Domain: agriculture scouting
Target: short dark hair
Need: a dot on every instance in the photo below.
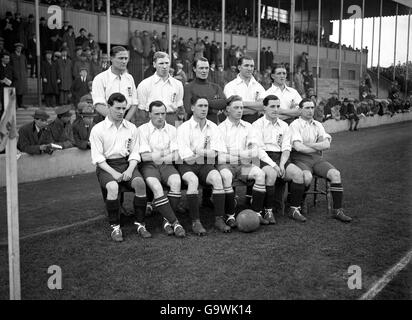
(195, 98)
(199, 59)
(304, 100)
(277, 66)
(233, 99)
(240, 60)
(268, 98)
(115, 50)
(116, 97)
(156, 103)
(160, 54)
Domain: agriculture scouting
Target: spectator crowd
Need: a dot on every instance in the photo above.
(70, 62)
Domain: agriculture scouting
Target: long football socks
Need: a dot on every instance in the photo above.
(139, 206)
(193, 204)
(163, 205)
(229, 201)
(258, 197)
(337, 194)
(219, 202)
(112, 207)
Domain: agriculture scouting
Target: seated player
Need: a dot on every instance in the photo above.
(158, 150)
(309, 139)
(114, 148)
(274, 136)
(242, 160)
(198, 142)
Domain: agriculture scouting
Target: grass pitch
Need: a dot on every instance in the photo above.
(289, 260)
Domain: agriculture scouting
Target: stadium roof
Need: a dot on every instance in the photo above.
(332, 7)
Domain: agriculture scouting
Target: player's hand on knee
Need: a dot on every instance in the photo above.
(117, 176)
(127, 175)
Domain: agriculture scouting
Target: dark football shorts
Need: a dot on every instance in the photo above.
(160, 171)
(311, 162)
(275, 156)
(239, 171)
(120, 165)
(200, 170)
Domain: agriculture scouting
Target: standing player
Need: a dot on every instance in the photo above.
(158, 150)
(289, 97)
(199, 142)
(246, 86)
(200, 87)
(309, 139)
(242, 160)
(274, 136)
(288, 110)
(115, 152)
(115, 79)
(161, 86)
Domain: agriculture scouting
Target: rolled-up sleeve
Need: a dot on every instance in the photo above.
(183, 142)
(144, 145)
(142, 95)
(323, 133)
(286, 141)
(135, 154)
(96, 147)
(294, 133)
(180, 93)
(98, 92)
(217, 143)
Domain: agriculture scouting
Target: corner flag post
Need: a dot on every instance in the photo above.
(12, 197)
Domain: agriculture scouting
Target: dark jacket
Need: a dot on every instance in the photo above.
(81, 134)
(29, 141)
(61, 133)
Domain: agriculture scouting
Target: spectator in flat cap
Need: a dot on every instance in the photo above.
(6, 76)
(81, 38)
(50, 80)
(64, 70)
(81, 63)
(104, 62)
(64, 29)
(95, 66)
(7, 31)
(19, 65)
(61, 131)
(70, 39)
(44, 36)
(91, 43)
(77, 54)
(34, 137)
(83, 125)
(80, 85)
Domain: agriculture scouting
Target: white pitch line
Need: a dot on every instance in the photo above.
(76, 224)
(388, 277)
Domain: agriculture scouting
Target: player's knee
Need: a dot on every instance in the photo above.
(334, 175)
(112, 190)
(215, 179)
(191, 180)
(174, 182)
(260, 176)
(138, 185)
(227, 177)
(270, 175)
(296, 175)
(155, 186)
(307, 178)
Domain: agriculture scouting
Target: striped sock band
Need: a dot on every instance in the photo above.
(174, 194)
(259, 187)
(229, 190)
